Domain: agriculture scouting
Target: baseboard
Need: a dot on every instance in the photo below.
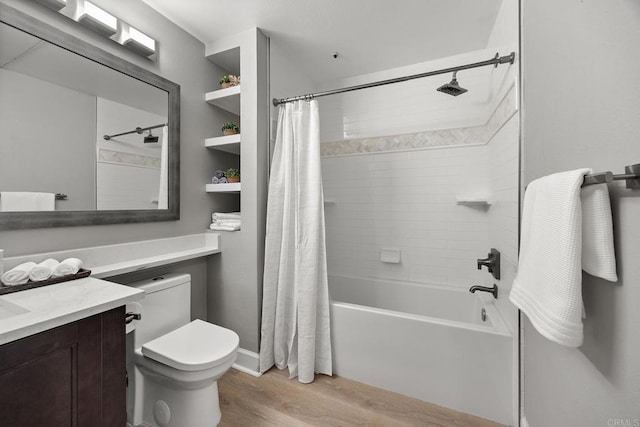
(248, 362)
(524, 422)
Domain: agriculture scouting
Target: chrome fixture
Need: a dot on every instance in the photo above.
(150, 138)
(139, 131)
(631, 176)
(492, 262)
(495, 61)
(492, 290)
(452, 88)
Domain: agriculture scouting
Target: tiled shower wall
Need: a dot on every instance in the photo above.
(389, 194)
(407, 201)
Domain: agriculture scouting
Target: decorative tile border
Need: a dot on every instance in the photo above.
(129, 159)
(439, 138)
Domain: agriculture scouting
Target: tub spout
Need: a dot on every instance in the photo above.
(493, 290)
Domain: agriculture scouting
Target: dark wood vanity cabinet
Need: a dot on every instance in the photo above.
(72, 375)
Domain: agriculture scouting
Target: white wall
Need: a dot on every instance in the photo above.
(413, 106)
(407, 200)
(581, 109)
(47, 140)
(128, 170)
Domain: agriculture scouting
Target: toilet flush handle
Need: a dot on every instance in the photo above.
(130, 317)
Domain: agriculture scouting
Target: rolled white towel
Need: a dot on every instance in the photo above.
(67, 267)
(18, 275)
(44, 270)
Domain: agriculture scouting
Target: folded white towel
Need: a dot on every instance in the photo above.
(548, 286)
(67, 267)
(25, 201)
(18, 275)
(230, 227)
(228, 222)
(225, 215)
(44, 270)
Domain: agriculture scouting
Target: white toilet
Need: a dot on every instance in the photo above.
(173, 364)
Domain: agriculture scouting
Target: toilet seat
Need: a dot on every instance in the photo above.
(196, 346)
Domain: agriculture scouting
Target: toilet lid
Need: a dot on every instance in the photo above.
(196, 346)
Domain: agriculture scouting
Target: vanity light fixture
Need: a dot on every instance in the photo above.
(53, 4)
(140, 42)
(101, 21)
(97, 19)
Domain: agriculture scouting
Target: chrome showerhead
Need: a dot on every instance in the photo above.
(150, 138)
(452, 88)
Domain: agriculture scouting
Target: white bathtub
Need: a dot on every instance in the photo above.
(423, 341)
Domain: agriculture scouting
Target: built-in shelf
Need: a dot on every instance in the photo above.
(224, 188)
(228, 99)
(228, 144)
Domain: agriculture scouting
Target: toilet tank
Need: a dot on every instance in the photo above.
(166, 306)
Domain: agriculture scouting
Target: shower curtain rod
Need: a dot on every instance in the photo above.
(136, 130)
(495, 61)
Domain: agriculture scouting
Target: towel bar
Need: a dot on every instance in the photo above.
(631, 175)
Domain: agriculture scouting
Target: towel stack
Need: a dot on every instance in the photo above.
(221, 221)
(30, 271)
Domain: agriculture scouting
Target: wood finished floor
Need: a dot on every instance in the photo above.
(274, 400)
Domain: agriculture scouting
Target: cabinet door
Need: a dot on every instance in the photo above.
(73, 375)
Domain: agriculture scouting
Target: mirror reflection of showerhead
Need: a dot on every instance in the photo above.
(452, 88)
(150, 138)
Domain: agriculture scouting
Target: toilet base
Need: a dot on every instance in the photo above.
(165, 406)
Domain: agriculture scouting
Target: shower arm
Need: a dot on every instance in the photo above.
(495, 61)
(137, 130)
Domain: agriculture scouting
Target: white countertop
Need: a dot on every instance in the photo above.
(29, 312)
(112, 260)
(138, 264)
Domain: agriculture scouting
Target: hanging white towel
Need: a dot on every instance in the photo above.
(19, 275)
(295, 307)
(43, 271)
(25, 201)
(598, 255)
(548, 286)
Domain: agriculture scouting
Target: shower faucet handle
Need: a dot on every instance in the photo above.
(492, 262)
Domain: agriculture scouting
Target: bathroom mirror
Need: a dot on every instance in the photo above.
(59, 97)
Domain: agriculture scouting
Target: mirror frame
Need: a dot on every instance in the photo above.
(28, 220)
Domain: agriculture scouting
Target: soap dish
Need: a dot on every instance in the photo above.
(82, 273)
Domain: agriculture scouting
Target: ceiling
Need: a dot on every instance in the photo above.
(370, 35)
(25, 54)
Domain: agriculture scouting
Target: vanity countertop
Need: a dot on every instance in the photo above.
(36, 310)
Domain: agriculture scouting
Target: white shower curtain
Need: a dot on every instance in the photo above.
(295, 307)
(163, 192)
